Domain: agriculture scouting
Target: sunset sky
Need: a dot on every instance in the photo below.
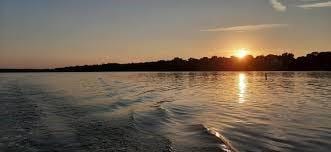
(55, 33)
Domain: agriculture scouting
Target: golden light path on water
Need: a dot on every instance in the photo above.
(242, 84)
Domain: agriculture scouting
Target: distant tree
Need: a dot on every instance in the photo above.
(285, 61)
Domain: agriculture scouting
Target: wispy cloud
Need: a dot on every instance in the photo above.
(316, 5)
(308, 0)
(246, 28)
(277, 5)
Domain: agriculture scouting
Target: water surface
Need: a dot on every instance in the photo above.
(170, 111)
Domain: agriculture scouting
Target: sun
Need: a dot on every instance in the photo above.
(241, 53)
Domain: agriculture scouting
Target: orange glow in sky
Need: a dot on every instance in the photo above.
(35, 34)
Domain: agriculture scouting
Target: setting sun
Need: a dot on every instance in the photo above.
(241, 53)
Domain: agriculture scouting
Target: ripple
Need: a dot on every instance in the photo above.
(166, 111)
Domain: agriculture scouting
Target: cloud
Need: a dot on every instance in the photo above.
(316, 5)
(308, 0)
(245, 28)
(277, 5)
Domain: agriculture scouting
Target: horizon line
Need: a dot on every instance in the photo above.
(186, 59)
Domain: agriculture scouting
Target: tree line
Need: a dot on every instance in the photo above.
(315, 61)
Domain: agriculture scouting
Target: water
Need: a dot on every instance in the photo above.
(172, 111)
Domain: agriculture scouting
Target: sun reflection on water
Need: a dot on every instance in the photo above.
(242, 84)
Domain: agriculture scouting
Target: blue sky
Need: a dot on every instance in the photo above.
(52, 33)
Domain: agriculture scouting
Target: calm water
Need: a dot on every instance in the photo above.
(188, 111)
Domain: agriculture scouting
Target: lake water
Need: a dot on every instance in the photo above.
(170, 111)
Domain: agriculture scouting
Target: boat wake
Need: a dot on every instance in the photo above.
(225, 143)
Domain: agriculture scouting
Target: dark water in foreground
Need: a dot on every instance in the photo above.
(189, 111)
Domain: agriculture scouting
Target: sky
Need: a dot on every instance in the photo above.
(57, 33)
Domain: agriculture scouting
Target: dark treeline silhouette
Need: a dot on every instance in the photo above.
(315, 61)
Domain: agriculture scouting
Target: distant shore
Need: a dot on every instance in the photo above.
(315, 61)
(50, 71)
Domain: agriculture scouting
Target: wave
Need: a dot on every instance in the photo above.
(225, 143)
